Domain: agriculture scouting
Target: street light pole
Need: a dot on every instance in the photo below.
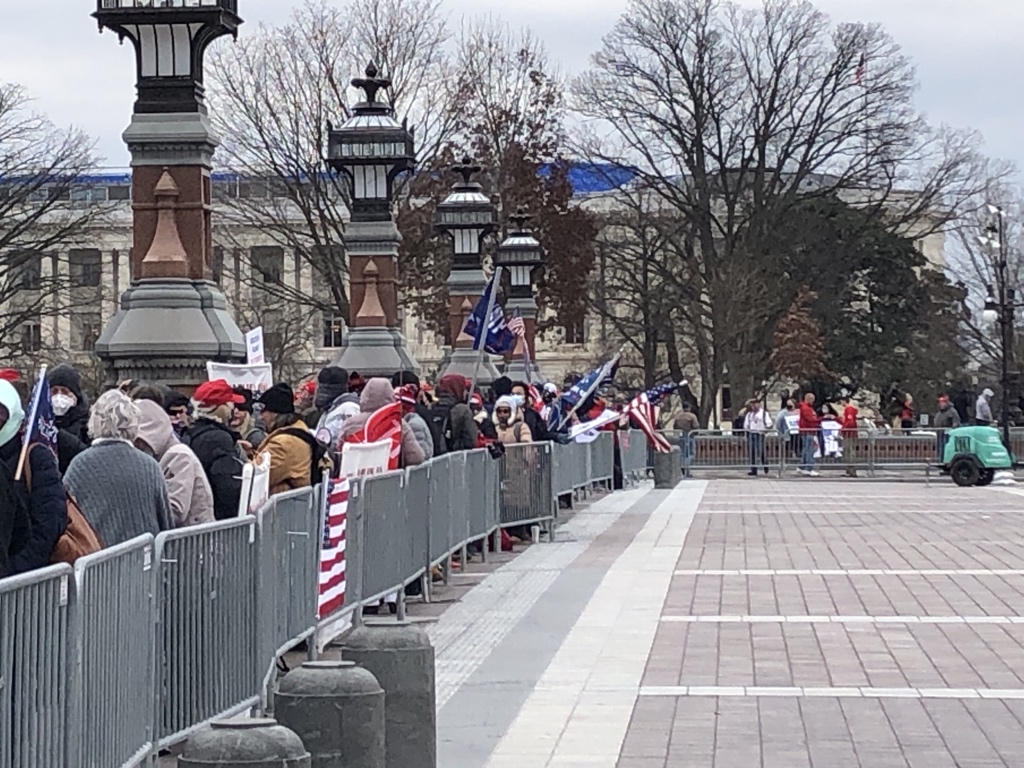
(1006, 305)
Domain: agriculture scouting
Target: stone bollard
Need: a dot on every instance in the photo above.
(244, 743)
(337, 709)
(400, 656)
(668, 471)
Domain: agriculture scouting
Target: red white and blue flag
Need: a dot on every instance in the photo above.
(331, 594)
(642, 409)
(384, 424)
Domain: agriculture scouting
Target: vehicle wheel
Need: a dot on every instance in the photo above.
(964, 472)
(986, 476)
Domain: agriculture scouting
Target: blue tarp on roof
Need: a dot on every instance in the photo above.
(590, 178)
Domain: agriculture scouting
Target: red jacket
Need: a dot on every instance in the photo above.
(809, 421)
(850, 414)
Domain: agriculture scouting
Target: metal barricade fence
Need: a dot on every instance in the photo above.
(114, 683)
(36, 615)
(206, 636)
(476, 493)
(383, 525)
(289, 537)
(561, 469)
(633, 450)
(417, 494)
(458, 501)
(602, 458)
(438, 509)
(526, 492)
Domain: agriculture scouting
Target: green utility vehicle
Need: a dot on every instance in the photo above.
(973, 455)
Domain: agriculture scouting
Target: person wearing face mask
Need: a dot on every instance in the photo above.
(31, 521)
(71, 413)
(211, 439)
(549, 395)
(532, 419)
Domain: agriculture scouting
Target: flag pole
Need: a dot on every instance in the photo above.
(33, 411)
(485, 327)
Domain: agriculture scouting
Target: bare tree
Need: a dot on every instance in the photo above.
(734, 117)
(40, 167)
(274, 95)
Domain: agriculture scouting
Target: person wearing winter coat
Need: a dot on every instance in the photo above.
(408, 395)
(31, 520)
(214, 443)
(484, 423)
(452, 417)
(521, 394)
(403, 378)
(120, 490)
(509, 424)
(331, 383)
(244, 424)
(810, 427)
(376, 394)
(188, 491)
(338, 410)
(983, 408)
(946, 419)
(289, 442)
(71, 413)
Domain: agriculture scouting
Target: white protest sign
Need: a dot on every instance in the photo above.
(255, 485)
(362, 459)
(257, 378)
(587, 432)
(254, 347)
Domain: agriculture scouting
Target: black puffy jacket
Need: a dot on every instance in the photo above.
(46, 504)
(214, 445)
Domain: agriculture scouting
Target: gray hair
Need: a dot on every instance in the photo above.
(114, 416)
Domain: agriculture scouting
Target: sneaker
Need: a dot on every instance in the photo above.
(803, 472)
(812, 473)
(752, 473)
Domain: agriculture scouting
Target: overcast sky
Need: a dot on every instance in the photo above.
(968, 54)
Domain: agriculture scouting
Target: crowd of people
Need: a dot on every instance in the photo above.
(811, 433)
(145, 458)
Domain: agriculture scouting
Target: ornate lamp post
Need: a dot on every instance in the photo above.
(1001, 307)
(520, 254)
(468, 216)
(173, 318)
(370, 150)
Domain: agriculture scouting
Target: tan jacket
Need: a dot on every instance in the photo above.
(290, 457)
(508, 435)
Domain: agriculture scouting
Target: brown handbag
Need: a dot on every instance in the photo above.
(79, 539)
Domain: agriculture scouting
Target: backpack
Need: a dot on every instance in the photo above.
(319, 461)
(79, 538)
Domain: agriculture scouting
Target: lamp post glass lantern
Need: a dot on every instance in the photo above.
(467, 215)
(170, 38)
(521, 256)
(371, 149)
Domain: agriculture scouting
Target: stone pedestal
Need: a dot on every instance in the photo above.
(172, 319)
(374, 345)
(401, 657)
(668, 472)
(337, 709)
(244, 743)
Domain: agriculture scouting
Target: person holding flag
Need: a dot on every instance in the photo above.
(36, 510)
(489, 328)
(379, 418)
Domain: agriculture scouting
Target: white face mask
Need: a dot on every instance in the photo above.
(63, 403)
(520, 400)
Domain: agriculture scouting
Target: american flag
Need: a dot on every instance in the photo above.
(331, 595)
(384, 424)
(643, 410)
(517, 326)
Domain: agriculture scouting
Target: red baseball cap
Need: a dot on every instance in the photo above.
(407, 394)
(9, 374)
(215, 393)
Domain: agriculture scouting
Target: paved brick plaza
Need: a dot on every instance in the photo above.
(759, 623)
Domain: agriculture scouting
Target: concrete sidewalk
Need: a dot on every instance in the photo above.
(737, 623)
